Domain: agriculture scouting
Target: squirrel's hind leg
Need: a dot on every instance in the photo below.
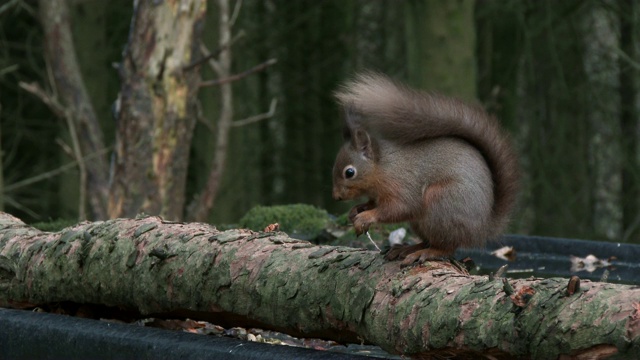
(419, 253)
(399, 252)
(423, 255)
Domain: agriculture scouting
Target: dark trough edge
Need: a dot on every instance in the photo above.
(555, 255)
(30, 335)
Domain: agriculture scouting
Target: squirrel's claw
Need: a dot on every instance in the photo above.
(362, 221)
(360, 228)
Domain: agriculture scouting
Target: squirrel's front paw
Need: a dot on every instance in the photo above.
(362, 221)
(357, 210)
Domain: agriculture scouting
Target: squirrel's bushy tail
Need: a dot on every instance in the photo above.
(397, 113)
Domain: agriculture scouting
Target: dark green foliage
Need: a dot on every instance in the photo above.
(301, 221)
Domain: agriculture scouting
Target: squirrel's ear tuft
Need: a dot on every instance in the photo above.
(362, 143)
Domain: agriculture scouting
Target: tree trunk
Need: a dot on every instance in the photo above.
(629, 119)
(441, 46)
(157, 109)
(272, 281)
(603, 74)
(202, 204)
(68, 83)
(1, 167)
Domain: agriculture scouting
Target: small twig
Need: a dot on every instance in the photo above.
(21, 207)
(47, 99)
(52, 173)
(373, 242)
(203, 120)
(259, 117)
(8, 5)
(628, 59)
(236, 11)
(26, 7)
(213, 63)
(1, 166)
(239, 76)
(9, 69)
(207, 55)
(52, 81)
(202, 60)
(66, 148)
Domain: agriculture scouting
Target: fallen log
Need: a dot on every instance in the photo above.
(268, 280)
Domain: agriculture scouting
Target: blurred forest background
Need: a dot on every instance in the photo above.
(562, 76)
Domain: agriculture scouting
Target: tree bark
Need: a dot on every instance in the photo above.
(272, 281)
(157, 109)
(202, 204)
(441, 46)
(628, 78)
(603, 74)
(85, 127)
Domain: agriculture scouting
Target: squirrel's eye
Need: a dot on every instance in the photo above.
(349, 172)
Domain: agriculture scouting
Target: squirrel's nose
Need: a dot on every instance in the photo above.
(336, 195)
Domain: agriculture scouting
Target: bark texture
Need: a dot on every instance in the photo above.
(273, 281)
(157, 109)
(440, 47)
(67, 80)
(203, 203)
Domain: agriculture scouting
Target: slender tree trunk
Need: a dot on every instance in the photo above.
(629, 119)
(84, 126)
(157, 109)
(557, 136)
(1, 165)
(272, 281)
(203, 203)
(441, 46)
(602, 70)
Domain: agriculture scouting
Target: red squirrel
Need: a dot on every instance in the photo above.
(441, 164)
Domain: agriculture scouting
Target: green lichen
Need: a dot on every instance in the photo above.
(54, 225)
(299, 220)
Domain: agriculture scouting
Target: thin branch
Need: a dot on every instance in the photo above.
(203, 120)
(626, 236)
(628, 59)
(65, 114)
(236, 11)
(8, 5)
(9, 69)
(51, 78)
(203, 59)
(211, 55)
(66, 148)
(237, 77)
(22, 208)
(47, 99)
(259, 117)
(1, 166)
(201, 205)
(213, 63)
(77, 152)
(28, 8)
(52, 173)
